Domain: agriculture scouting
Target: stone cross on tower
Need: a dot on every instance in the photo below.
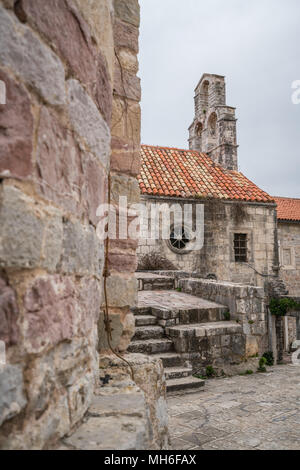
(214, 128)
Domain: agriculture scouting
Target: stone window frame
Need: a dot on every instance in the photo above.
(178, 251)
(250, 251)
(293, 266)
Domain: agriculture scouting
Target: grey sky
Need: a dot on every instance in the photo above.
(256, 45)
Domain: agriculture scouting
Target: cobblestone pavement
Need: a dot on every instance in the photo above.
(259, 412)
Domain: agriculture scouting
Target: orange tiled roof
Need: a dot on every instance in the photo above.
(288, 208)
(187, 173)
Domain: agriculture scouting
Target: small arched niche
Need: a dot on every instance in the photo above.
(204, 92)
(212, 127)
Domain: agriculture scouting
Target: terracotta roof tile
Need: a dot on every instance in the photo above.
(288, 208)
(187, 173)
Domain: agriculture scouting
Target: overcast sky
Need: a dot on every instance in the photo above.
(256, 45)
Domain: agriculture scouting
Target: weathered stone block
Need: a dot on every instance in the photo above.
(122, 263)
(126, 83)
(80, 397)
(28, 56)
(125, 186)
(126, 122)
(51, 313)
(116, 328)
(94, 186)
(122, 292)
(83, 252)
(126, 36)
(16, 124)
(12, 398)
(128, 11)
(58, 162)
(9, 313)
(31, 233)
(58, 20)
(58, 309)
(88, 122)
(98, 15)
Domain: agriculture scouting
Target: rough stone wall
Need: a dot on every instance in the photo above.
(71, 119)
(246, 304)
(289, 249)
(125, 415)
(221, 221)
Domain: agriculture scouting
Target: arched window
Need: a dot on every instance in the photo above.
(198, 129)
(212, 125)
(204, 95)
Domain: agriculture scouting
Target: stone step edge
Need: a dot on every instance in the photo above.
(188, 371)
(184, 383)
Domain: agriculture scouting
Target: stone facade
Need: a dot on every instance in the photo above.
(221, 221)
(70, 129)
(289, 250)
(213, 130)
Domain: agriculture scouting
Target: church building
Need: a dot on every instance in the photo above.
(240, 221)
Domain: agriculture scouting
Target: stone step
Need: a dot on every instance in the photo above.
(204, 329)
(145, 320)
(186, 383)
(150, 281)
(178, 372)
(173, 306)
(148, 332)
(169, 359)
(141, 310)
(151, 346)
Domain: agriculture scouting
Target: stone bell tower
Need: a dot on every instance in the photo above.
(214, 128)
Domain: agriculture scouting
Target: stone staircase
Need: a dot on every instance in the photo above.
(182, 330)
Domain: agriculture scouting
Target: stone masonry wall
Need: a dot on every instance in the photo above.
(246, 304)
(221, 221)
(71, 121)
(289, 239)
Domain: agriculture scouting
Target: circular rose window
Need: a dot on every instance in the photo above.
(179, 239)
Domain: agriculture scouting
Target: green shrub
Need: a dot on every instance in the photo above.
(227, 316)
(262, 365)
(210, 372)
(280, 307)
(269, 358)
(247, 372)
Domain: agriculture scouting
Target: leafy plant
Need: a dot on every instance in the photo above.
(179, 289)
(227, 316)
(280, 307)
(210, 372)
(247, 372)
(262, 365)
(251, 322)
(269, 358)
(199, 376)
